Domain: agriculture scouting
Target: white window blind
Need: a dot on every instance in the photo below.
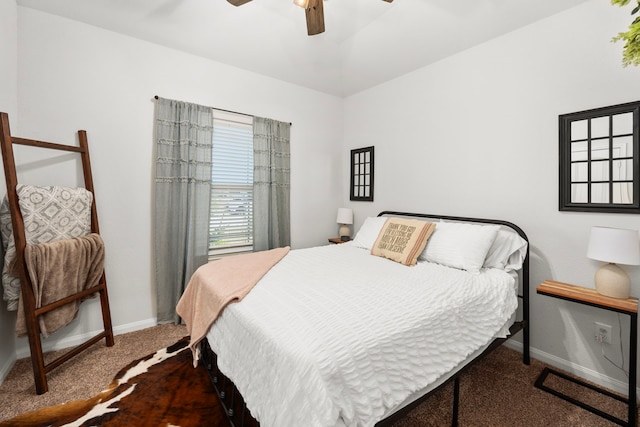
(231, 218)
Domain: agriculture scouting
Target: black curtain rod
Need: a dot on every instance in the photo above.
(229, 111)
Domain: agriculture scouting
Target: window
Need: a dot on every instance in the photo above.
(231, 218)
(599, 160)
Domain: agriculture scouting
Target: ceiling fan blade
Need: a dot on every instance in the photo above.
(315, 17)
(241, 2)
(389, 1)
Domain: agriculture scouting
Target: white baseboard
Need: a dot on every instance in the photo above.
(22, 347)
(575, 369)
(4, 370)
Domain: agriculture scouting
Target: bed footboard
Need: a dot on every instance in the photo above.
(228, 395)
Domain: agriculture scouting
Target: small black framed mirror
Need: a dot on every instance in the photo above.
(599, 159)
(361, 186)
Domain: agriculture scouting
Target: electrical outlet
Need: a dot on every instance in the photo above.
(602, 332)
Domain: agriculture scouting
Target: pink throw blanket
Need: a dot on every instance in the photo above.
(216, 284)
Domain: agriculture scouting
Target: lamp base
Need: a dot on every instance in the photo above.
(613, 281)
(344, 233)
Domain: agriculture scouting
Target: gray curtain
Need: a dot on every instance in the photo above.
(271, 186)
(183, 134)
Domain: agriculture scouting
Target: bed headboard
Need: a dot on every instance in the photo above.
(524, 272)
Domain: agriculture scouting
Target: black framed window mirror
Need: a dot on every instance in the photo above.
(599, 159)
(362, 163)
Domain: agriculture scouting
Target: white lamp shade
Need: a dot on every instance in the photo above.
(614, 245)
(345, 216)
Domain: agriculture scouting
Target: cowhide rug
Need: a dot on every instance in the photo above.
(162, 389)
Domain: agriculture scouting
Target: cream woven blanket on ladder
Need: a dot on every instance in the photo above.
(49, 214)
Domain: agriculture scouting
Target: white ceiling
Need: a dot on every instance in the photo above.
(366, 42)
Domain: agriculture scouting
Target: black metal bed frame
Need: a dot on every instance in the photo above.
(236, 409)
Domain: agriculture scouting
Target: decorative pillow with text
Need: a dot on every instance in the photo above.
(402, 240)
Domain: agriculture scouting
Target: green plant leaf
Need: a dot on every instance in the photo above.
(631, 38)
(620, 2)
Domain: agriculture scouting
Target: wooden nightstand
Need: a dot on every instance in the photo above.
(591, 297)
(337, 240)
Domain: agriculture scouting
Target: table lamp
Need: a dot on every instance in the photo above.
(613, 246)
(344, 218)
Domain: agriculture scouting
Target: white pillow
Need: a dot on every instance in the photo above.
(368, 233)
(460, 245)
(507, 252)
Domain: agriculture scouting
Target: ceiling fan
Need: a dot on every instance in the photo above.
(313, 10)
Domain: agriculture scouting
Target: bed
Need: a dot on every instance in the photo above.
(335, 336)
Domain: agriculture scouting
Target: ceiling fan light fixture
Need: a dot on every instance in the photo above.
(313, 10)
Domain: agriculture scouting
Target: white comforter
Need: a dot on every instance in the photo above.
(334, 335)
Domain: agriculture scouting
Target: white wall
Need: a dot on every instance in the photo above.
(476, 135)
(89, 78)
(9, 105)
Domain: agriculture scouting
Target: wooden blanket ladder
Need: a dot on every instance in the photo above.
(40, 369)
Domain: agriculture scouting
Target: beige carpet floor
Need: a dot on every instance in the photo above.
(497, 391)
